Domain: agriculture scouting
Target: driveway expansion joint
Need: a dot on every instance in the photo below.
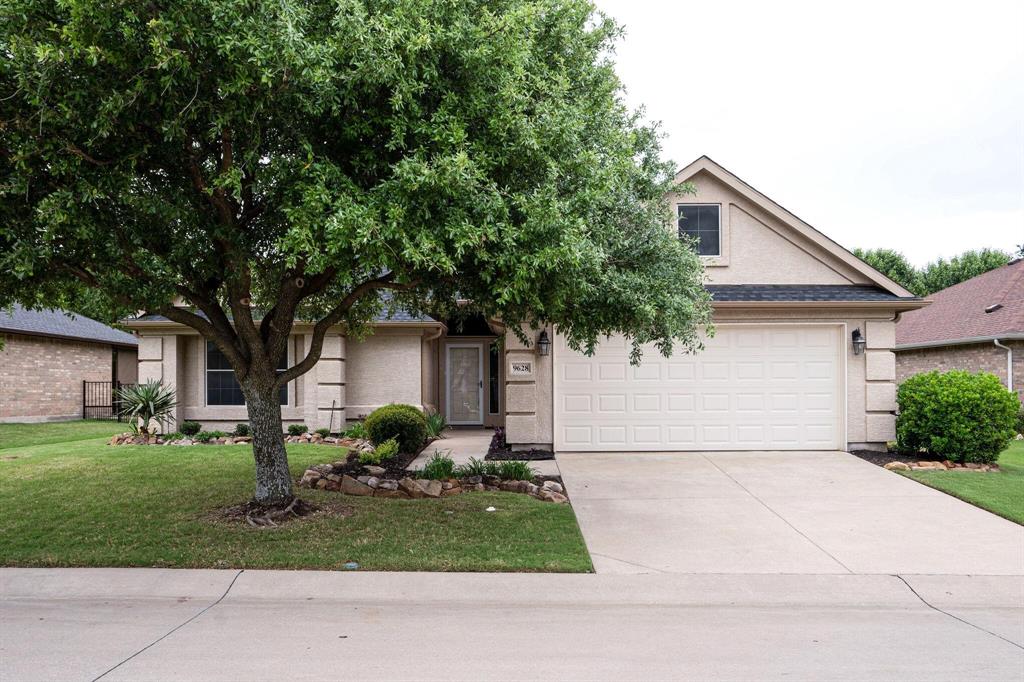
(172, 630)
(954, 617)
(777, 514)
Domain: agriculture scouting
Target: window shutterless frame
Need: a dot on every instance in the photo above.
(221, 387)
(703, 222)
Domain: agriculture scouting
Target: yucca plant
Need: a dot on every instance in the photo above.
(145, 403)
(436, 424)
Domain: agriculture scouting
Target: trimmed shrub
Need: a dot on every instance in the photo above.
(323, 433)
(404, 423)
(1020, 422)
(204, 436)
(241, 429)
(191, 428)
(297, 429)
(956, 415)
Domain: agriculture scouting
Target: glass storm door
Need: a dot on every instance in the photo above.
(465, 383)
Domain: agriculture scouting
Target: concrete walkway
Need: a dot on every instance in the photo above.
(463, 444)
(778, 512)
(155, 624)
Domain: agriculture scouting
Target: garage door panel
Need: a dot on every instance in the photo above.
(754, 387)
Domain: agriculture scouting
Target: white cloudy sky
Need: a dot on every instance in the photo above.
(896, 123)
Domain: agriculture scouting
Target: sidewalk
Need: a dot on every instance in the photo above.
(156, 624)
(463, 444)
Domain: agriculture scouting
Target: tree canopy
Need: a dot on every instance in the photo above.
(937, 275)
(323, 160)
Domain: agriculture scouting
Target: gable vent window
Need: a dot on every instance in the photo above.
(703, 223)
(221, 385)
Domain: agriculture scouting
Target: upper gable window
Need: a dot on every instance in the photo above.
(703, 223)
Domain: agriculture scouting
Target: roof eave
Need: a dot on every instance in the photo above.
(897, 306)
(965, 341)
(67, 337)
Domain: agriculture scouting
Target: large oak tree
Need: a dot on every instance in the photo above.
(321, 160)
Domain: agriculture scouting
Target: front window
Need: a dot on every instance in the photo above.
(702, 222)
(221, 386)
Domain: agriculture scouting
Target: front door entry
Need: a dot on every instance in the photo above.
(465, 383)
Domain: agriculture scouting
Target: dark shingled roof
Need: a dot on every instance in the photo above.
(397, 316)
(62, 324)
(790, 293)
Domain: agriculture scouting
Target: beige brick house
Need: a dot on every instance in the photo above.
(977, 325)
(47, 355)
(802, 357)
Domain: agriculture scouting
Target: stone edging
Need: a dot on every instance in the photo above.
(372, 485)
(939, 466)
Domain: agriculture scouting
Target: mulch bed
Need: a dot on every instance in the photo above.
(394, 467)
(883, 458)
(499, 450)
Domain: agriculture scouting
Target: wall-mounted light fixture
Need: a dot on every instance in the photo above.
(543, 343)
(859, 342)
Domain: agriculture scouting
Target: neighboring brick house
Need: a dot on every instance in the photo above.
(977, 325)
(48, 354)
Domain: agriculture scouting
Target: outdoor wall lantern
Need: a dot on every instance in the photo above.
(859, 342)
(543, 343)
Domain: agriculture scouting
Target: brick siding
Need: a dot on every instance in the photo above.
(978, 357)
(41, 378)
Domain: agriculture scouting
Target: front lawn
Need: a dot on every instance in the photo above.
(84, 503)
(22, 435)
(999, 492)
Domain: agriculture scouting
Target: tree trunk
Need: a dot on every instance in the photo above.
(273, 480)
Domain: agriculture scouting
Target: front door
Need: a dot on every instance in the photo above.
(465, 383)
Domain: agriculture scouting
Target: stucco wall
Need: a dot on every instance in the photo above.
(977, 357)
(870, 377)
(756, 247)
(127, 365)
(41, 377)
(350, 380)
(384, 368)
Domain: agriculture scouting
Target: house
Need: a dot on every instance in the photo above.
(802, 356)
(977, 325)
(48, 354)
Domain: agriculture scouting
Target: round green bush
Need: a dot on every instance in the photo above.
(190, 428)
(956, 415)
(404, 423)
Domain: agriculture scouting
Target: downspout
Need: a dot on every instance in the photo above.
(1009, 364)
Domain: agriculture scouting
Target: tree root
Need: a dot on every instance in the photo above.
(261, 516)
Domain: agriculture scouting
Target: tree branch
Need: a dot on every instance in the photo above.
(332, 318)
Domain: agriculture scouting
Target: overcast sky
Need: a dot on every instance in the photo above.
(883, 124)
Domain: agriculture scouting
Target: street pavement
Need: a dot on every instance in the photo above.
(165, 624)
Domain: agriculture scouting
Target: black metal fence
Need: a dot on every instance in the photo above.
(100, 400)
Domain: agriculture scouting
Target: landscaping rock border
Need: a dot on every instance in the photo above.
(932, 465)
(372, 484)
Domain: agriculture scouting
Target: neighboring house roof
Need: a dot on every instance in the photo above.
(958, 314)
(63, 325)
(805, 293)
(744, 189)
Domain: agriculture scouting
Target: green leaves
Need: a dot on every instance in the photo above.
(217, 152)
(957, 415)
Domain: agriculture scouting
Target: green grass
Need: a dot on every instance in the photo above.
(999, 492)
(84, 503)
(22, 435)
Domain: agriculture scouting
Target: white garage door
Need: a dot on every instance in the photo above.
(754, 387)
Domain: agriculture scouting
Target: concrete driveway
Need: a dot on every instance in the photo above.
(778, 512)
